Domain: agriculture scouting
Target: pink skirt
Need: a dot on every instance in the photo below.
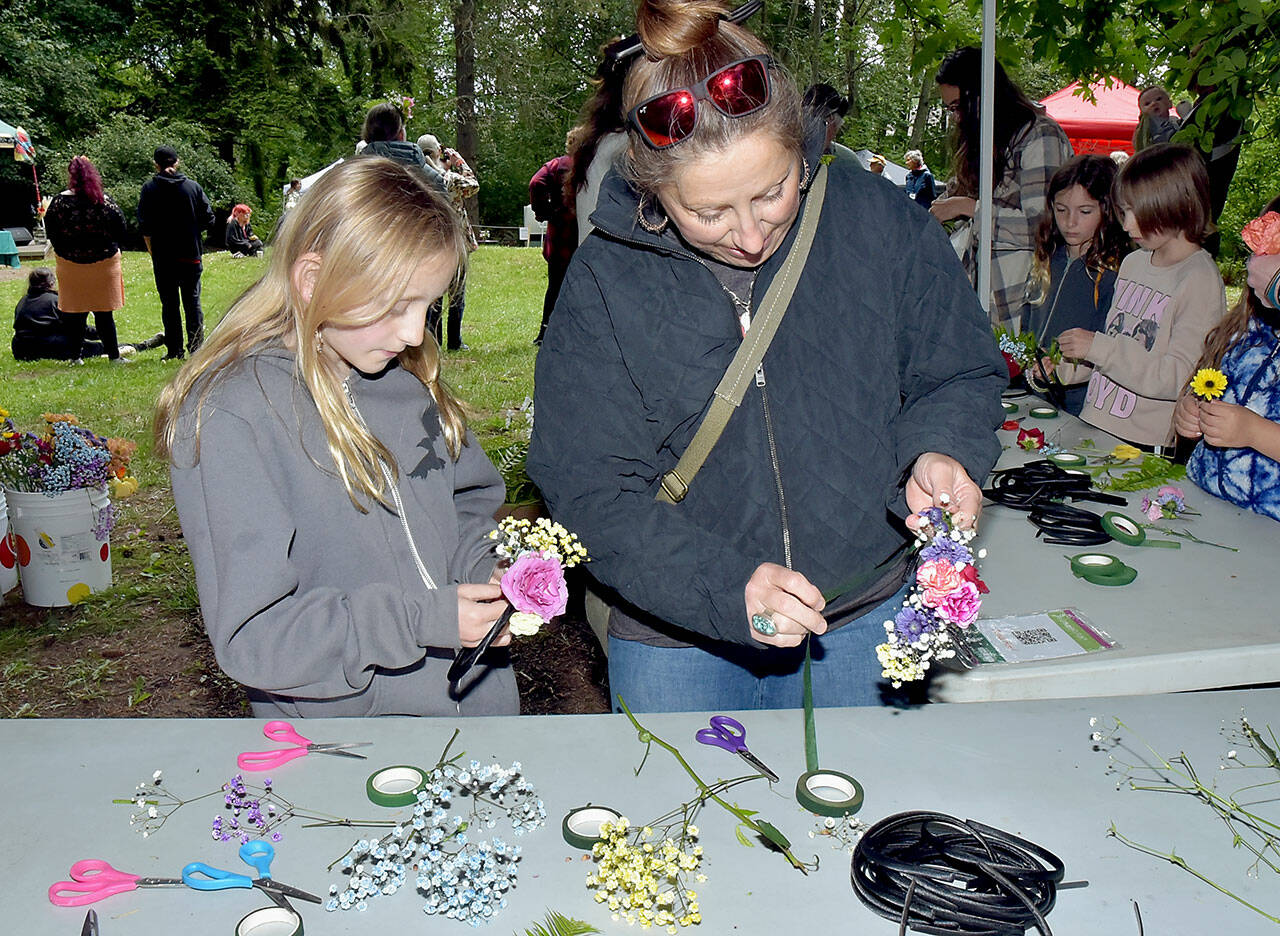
(91, 287)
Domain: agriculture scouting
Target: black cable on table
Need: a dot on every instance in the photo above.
(938, 874)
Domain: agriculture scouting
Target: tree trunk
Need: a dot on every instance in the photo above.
(464, 59)
(922, 110)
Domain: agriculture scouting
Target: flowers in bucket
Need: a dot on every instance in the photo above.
(945, 599)
(67, 457)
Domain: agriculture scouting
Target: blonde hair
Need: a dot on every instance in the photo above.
(372, 222)
(684, 42)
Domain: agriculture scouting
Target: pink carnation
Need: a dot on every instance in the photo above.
(937, 578)
(535, 584)
(1263, 234)
(960, 606)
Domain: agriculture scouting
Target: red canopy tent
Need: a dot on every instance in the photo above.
(1101, 126)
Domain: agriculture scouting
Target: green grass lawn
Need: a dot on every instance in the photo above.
(504, 306)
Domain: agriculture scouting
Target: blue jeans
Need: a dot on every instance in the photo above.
(728, 676)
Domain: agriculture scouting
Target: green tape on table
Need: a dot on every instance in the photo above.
(1043, 412)
(1009, 408)
(829, 793)
(1102, 569)
(395, 786)
(581, 826)
(1122, 529)
(270, 921)
(1067, 459)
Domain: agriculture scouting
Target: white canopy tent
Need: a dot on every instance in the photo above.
(308, 181)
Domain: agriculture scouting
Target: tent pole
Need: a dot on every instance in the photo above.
(986, 149)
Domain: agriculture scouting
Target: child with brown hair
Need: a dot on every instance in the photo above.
(1168, 295)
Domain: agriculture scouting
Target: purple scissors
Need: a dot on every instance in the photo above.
(283, 731)
(93, 880)
(728, 733)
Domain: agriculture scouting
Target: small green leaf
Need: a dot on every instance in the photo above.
(742, 837)
(773, 835)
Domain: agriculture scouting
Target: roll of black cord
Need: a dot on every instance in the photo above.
(1064, 525)
(934, 873)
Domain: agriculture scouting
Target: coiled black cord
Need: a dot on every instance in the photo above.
(935, 873)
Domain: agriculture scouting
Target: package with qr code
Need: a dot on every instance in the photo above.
(1040, 635)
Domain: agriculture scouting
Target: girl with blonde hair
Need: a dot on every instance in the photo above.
(336, 508)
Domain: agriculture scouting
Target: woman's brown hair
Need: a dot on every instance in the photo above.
(684, 42)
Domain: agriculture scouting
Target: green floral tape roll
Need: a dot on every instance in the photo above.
(270, 921)
(829, 793)
(1067, 459)
(1122, 529)
(396, 786)
(581, 826)
(1044, 412)
(1010, 408)
(1102, 569)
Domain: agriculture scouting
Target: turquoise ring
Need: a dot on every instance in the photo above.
(763, 624)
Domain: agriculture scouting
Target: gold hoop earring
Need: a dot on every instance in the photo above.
(319, 344)
(651, 226)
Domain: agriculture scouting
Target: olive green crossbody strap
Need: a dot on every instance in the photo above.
(733, 385)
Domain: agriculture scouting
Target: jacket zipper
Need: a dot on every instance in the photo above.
(773, 448)
(764, 399)
(395, 497)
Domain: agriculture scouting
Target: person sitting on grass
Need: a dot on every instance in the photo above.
(41, 333)
(241, 240)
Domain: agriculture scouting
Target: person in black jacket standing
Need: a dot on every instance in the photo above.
(173, 214)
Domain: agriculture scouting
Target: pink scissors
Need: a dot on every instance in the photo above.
(92, 880)
(283, 731)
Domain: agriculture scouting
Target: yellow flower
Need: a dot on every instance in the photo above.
(1208, 383)
(1126, 452)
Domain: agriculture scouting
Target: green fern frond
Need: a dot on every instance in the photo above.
(557, 924)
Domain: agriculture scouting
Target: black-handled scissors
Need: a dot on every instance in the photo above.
(728, 733)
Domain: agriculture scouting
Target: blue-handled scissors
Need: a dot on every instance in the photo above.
(728, 733)
(258, 855)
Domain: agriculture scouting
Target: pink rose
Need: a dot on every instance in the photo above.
(961, 606)
(937, 578)
(535, 585)
(1263, 234)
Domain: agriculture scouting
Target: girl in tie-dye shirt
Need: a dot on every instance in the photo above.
(1238, 457)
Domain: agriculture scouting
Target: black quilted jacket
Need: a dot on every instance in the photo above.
(884, 353)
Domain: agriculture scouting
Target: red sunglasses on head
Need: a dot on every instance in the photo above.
(738, 89)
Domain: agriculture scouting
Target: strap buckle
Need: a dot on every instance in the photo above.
(674, 486)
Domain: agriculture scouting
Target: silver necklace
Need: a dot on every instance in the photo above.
(738, 301)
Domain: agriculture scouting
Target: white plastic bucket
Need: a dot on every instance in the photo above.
(60, 561)
(8, 551)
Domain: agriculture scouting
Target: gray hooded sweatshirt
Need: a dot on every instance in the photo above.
(317, 608)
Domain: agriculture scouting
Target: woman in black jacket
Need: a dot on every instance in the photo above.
(877, 398)
(85, 227)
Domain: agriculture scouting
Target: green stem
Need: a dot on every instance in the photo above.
(706, 790)
(1174, 859)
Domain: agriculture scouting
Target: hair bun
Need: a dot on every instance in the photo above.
(674, 27)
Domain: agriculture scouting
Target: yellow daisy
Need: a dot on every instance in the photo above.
(1208, 383)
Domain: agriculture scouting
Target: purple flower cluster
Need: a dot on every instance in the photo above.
(248, 818)
(947, 550)
(80, 460)
(911, 622)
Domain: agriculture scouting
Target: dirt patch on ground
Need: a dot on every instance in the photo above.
(144, 653)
